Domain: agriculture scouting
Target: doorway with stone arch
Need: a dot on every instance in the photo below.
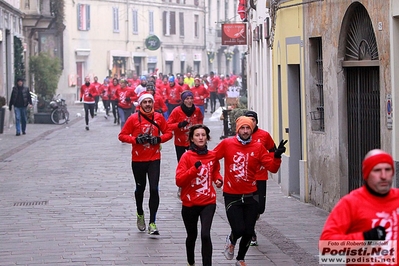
(362, 90)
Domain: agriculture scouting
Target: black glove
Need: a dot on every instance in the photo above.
(197, 164)
(128, 100)
(80, 99)
(155, 140)
(281, 149)
(90, 95)
(141, 139)
(376, 233)
(182, 124)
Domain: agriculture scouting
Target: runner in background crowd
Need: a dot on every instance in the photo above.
(113, 87)
(174, 91)
(97, 85)
(87, 94)
(105, 96)
(125, 97)
(180, 121)
(200, 94)
(213, 85)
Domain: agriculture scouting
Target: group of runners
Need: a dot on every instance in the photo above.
(151, 111)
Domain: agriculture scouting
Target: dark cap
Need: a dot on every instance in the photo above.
(252, 114)
(20, 79)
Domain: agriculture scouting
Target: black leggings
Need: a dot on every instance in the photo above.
(190, 218)
(140, 171)
(221, 99)
(114, 105)
(241, 213)
(180, 150)
(213, 96)
(106, 106)
(262, 186)
(88, 107)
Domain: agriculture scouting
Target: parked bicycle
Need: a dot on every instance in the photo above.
(59, 114)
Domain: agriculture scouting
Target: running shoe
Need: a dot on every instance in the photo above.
(140, 222)
(229, 249)
(241, 263)
(152, 229)
(254, 240)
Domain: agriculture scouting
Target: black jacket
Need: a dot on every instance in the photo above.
(24, 98)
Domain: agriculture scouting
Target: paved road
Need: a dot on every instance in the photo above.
(67, 198)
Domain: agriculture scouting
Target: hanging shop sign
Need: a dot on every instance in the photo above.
(234, 34)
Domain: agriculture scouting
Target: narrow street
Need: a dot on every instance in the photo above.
(67, 198)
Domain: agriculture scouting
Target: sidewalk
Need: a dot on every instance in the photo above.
(67, 198)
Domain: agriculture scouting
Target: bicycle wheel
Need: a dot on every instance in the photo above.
(58, 117)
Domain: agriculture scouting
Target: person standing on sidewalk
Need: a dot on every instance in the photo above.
(146, 130)
(180, 121)
(20, 98)
(262, 136)
(196, 173)
(242, 159)
(87, 94)
(370, 212)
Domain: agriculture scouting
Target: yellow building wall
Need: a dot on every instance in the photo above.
(289, 24)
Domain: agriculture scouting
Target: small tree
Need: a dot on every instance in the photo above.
(46, 72)
(19, 67)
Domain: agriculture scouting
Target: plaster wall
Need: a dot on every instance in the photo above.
(327, 151)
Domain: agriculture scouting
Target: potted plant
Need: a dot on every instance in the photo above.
(45, 71)
(2, 113)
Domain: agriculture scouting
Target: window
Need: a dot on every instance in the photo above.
(151, 22)
(83, 17)
(172, 23)
(115, 17)
(316, 71)
(196, 26)
(169, 22)
(181, 23)
(135, 26)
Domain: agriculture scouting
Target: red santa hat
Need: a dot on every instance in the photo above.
(145, 95)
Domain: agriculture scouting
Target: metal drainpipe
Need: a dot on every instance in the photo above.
(206, 58)
(127, 24)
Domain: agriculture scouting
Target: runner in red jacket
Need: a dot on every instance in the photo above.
(113, 87)
(196, 173)
(180, 121)
(263, 137)
(105, 94)
(174, 91)
(146, 130)
(370, 212)
(200, 94)
(214, 83)
(125, 97)
(242, 159)
(87, 94)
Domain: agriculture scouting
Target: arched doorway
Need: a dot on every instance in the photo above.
(361, 68)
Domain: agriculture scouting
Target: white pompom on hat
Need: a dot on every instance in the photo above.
(145, 96)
